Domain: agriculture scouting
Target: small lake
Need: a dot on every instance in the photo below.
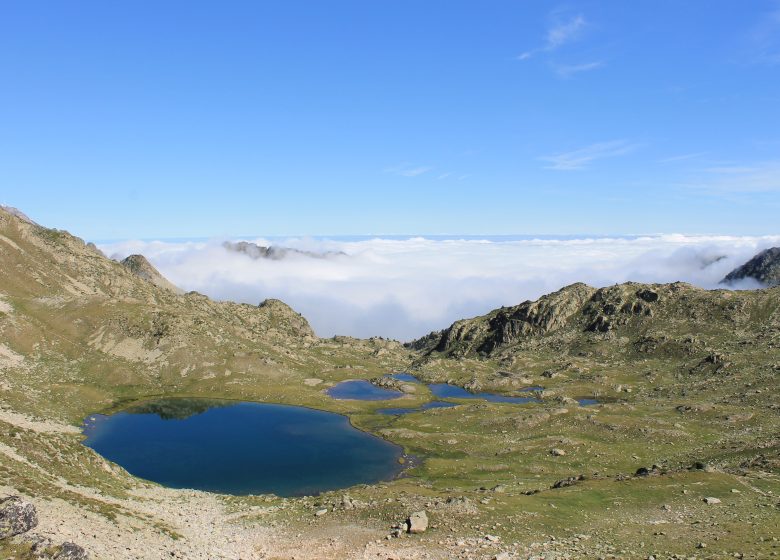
(361, 390)
(241, 447)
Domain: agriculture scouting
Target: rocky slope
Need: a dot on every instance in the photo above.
(764, 268)
(75, 319)
(673, 318)
(141, 267)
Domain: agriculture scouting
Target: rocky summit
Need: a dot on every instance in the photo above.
(763, 268)
(650, 431)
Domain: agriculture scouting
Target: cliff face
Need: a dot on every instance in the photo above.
(764, 268)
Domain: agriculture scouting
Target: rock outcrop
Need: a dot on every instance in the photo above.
(764, 268)
(141, 267)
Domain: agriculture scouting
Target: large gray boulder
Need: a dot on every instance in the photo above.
(71, 551)
(16, 516)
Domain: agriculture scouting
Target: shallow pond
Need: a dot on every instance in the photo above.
(361, 390)
(447, 391)
(241, 447)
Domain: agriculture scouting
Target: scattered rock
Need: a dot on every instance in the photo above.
(570, 481)
(556, 452)
(321, 512)
(418, 522)
(16, 516)
(711, 501)
(702, 466)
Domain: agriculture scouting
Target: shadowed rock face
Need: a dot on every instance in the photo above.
(764, 267)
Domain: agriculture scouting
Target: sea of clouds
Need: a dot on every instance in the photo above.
(405, 288)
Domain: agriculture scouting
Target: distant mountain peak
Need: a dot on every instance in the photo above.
(764, 267)
(255, 251)
(18, 213)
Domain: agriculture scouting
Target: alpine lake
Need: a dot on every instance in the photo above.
(243, 448)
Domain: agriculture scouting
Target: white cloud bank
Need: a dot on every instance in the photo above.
(406, 288)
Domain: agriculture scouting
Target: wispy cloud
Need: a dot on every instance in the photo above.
(558, 34)
(682, 157)
(764, 39)
(761, 177)
(581, 158)
(565, 32)
(568, 70)
(408, 170)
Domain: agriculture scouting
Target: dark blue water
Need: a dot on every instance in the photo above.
(358, 389)
(242, 448)
(447, 391)
(364, 390)
(426, 406)
(405, 377)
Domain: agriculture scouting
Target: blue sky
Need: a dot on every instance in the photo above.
(176, 119)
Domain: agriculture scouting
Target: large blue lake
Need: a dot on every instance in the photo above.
(242, 448)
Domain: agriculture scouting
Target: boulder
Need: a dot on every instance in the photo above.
(16, 517)
(418, 522)
(71, 551)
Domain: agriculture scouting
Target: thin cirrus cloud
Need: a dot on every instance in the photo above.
(682, 157)
(558, 35)
(764, 40)
(581, 158)
(763, 177)
(405, 288)
(569, 70)
(408, 170)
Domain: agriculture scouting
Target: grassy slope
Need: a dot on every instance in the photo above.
(701, 368)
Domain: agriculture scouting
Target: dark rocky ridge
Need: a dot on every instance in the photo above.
(255, 251)
(764, 267)
(575, 316)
